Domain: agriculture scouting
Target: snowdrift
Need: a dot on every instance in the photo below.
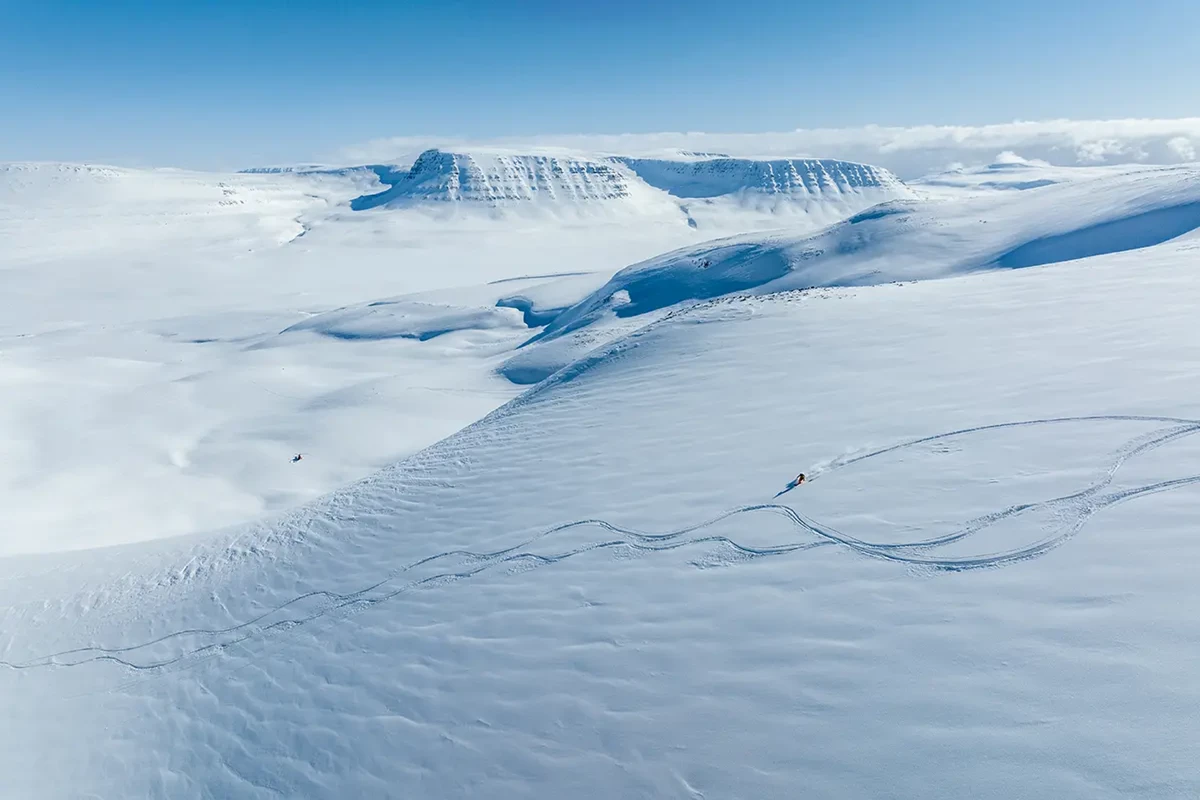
(511, 304)
(896, 241)
(403, 318)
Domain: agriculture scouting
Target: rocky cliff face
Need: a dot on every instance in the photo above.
(438, 176)
(809, 177)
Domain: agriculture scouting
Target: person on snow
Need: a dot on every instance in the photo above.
(799, 479)
(297, 457)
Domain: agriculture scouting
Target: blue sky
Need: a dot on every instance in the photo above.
(220, 84)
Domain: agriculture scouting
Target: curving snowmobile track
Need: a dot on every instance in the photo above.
(1073, 511)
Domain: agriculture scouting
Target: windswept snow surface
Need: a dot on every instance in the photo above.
(896, 241)
(984, 592)
(168, 340)
(602, 588)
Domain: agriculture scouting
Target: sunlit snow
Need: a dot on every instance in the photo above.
(540, 541)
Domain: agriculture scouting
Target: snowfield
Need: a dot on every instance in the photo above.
(541, 543)
(170, 339)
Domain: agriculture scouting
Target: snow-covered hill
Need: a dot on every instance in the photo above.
(57, 211)
(1009, 172)
(898, 241)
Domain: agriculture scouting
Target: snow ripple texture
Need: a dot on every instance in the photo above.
(1068, 515)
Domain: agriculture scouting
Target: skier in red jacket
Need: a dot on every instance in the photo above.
(799, 479)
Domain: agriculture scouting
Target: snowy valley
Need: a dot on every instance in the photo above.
(541, 541)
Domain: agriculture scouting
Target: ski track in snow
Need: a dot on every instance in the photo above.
(1077, 509)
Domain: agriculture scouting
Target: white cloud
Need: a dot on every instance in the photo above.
(907, 151)
(1110, 151)
(1009, 157)
(1182, 147)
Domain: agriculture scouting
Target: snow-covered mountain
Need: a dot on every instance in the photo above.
(706, 177)
(437, 177)
(825, 189)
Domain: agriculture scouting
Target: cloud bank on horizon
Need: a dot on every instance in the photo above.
(907, 151)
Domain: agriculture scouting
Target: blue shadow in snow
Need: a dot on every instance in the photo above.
(1129, 233)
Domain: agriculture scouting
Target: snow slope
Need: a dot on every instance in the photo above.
(52, 211)
(1010, 172)
(166, 426)
(897, 241)
(146, 376)
(596, 591)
